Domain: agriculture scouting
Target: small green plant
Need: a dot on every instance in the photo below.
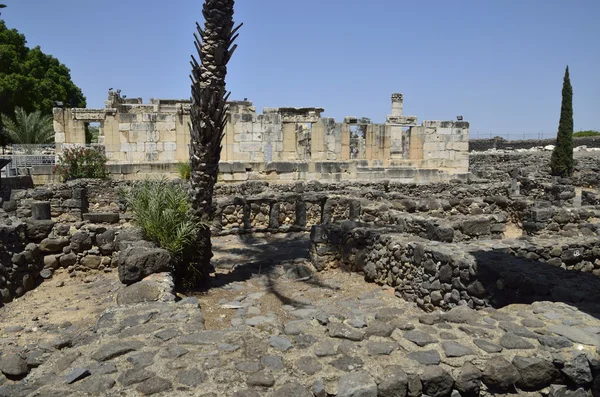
(183, 168)
(580, 134)
(163, 211)
(81, 162)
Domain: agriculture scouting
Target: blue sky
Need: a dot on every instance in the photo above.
(499, 63)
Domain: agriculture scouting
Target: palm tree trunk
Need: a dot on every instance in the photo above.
(208, 117)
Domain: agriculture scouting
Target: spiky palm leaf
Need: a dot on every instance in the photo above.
(29, 128)
(208, 112)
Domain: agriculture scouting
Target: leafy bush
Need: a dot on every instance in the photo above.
(586, 133)
(81, 162)
(183, 168)
(163, 211)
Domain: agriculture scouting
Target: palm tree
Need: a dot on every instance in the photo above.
(208, 117)
(29, 128)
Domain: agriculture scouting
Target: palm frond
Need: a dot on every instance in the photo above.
(29, 128)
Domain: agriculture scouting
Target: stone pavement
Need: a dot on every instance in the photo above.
(286, 332)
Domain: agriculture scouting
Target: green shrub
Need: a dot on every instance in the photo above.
(183, 168)
(586, 133)
(81, 162)
(163, 211)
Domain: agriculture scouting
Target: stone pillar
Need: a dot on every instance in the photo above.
(246, 216)
(355, 209)
(345, 155)
(228, 140)
(317, 141)
(40, 210)
(81, 195)
(289, 142)
(274, 215)
(385, 143)
(416, 143)
(300, 213)
(397, 103)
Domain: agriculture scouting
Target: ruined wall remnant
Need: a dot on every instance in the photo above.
(297, 142)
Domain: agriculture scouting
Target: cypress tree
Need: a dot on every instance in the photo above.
(561, 161)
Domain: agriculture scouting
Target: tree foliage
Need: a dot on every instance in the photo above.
(31, 79)
(29, 128)
(561, 161)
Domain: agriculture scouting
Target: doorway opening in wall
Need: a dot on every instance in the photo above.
(358, 134)
(303, 138)
(92, 132)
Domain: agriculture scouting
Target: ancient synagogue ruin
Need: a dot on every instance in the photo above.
(283, 143)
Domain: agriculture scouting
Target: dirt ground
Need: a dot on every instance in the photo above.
(59, 303)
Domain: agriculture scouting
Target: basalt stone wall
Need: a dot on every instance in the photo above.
(20, 261)
(590, 198)
(33, 250)
(370, 190)
(569, 222)
(438, 275)
(281, 213)
(428, 273)
(295, 212)
(580, 254)
(449, 229)
(69, 201)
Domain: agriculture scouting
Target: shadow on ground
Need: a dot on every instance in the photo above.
(509, 279)
(239, 258)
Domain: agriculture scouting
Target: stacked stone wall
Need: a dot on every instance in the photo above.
(481, 274)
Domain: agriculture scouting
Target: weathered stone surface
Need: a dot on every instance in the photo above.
(394, 384)
(427, 357)
(101, 217)
(80, 242)
(419, 338)
(357, 384)
(577, 335)
(380, 348)
(337, 330)
(292, 389)
(500, 374)
(577, 369)
(13, 364)
(453, 349)
(308, 365)
(487, 346)
(154, 385)
(512, 341)
(436, 381)
(53, 245)
(135, 263)
(110, 351)
(468, 381)
(536, 373)
(261, 379)
(280, 343)
(77, 374)
(142, 291)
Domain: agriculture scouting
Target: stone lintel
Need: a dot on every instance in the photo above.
(402, 120)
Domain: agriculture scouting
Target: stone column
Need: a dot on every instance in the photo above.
(300, 213)
(40, 210)
(274, 215)
(289, 142)
(317, 141)
(397, 104)
(345, 155)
